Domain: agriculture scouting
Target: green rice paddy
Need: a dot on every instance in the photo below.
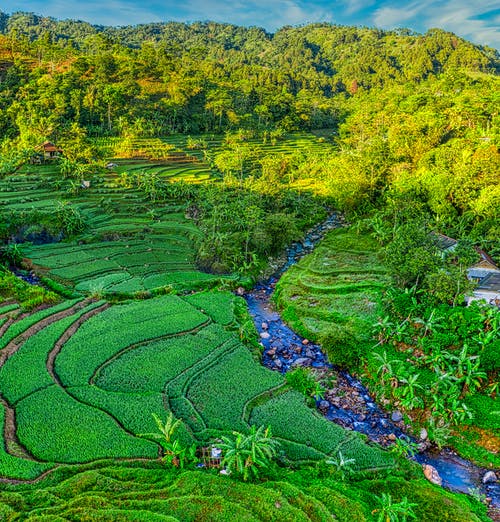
(84, 387)
(131, 244)
(332, 295)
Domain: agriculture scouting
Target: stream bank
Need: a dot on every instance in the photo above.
(349, 403)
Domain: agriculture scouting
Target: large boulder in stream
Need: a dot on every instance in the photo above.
(432, 475)
(489, 477)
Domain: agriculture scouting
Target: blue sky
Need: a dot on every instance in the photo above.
(476, 20)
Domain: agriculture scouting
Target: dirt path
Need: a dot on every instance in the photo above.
(12, 445)
(6, 325)
(14, 345)
(65, 338)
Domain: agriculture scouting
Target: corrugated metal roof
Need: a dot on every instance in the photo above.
(444, 242)
(491, 282)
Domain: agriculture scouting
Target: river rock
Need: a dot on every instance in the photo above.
(305, 341)
(424, 446)
(265, 326)
(264, 335)
(301, 361)
(396, 416)
(240, 291)
(423, 434)
(324, 406)
(278, 364)
(489, 477)
(271, 352)
(310, 353)
(391, 436)
(432, 475)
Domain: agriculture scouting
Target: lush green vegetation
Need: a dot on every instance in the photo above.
(191, 155)
(436, 362)
(332, 295)
(86, 382)
(153, 493)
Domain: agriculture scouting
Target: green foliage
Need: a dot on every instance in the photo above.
(175, 454)
(343, 467)
(317, 438)
(404, 448)
(28, 296)
(101, 337)
(131, 491)
(16, 467)
(331, 295)
(78, 433)
(219, 385)
(412, 253)
(394, 512)
(29, 320)
(25, 371)
(304, 381)
(248, 454)
(149, 367)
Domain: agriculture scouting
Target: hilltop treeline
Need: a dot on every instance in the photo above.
(206, 77)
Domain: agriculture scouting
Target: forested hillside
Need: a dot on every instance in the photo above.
(173, 77)
(415, 114)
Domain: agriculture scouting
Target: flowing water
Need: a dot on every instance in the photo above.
(349, 403)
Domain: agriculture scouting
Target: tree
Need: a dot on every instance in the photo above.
(247, 454)
(175, 453)
(412, 254)
(342, 465)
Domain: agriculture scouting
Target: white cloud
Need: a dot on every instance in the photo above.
(270, 14)
(108, 12)
(462, 17)
(355, 6)
(389, 17)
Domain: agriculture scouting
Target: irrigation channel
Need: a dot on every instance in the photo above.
(349, 403)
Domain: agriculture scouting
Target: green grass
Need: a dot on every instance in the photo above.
(332, 295)
(306, 430)
(16, 467)
(124, 493)
(132, 410)
(218, 305)
(120, 327)
(170, 353)
(23, 324)
(25, 371)
(54, 426)
(149, 367)
(220, 392)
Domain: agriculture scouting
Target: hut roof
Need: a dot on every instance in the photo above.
(444, 242)
(48, 146)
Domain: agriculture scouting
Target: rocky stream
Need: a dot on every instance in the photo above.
(348, 402)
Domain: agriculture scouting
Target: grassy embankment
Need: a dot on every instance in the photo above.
(334, 296)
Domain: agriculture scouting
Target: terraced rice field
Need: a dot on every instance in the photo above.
(331, 295)
(79, 382)
(131, 244)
